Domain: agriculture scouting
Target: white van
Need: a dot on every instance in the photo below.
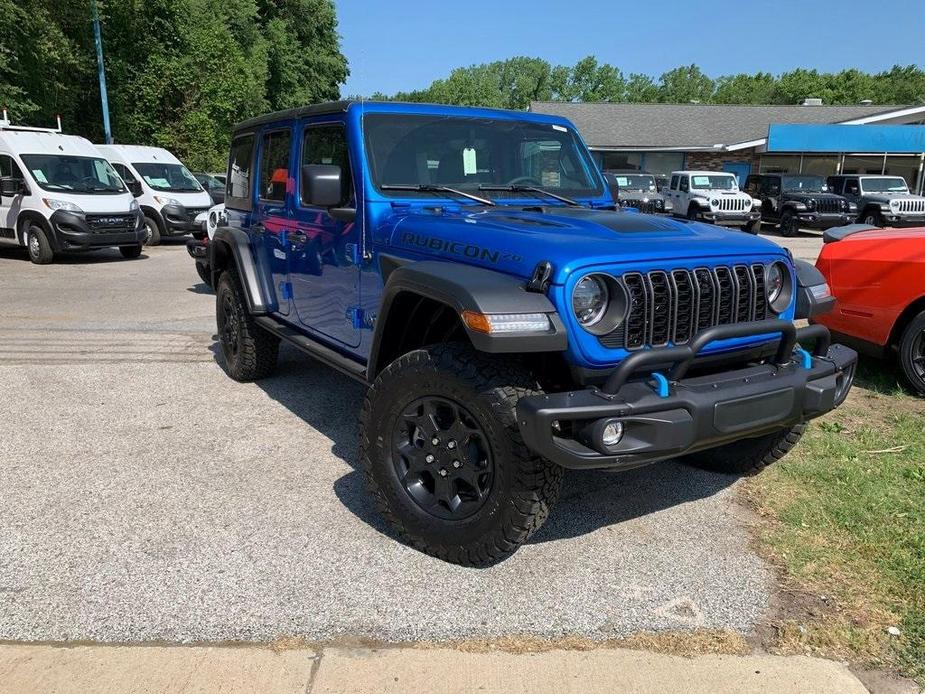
(57, 194)
(170, 197)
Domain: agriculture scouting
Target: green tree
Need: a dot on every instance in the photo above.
(745, 89)
(641, 89)
(683, 84)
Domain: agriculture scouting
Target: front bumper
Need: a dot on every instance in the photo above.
(681, 415)
(179, 220)
(816, 220)
(904, 220)
(720, 217)
(78, 231)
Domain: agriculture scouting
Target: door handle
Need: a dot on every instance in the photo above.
(296, 237)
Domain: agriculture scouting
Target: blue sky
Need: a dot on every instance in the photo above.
(405, 44)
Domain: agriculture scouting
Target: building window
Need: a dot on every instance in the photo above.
(820, 165)
(863, 164)
(663, 162)
(615, 161)
(907, 167)
(779, 163)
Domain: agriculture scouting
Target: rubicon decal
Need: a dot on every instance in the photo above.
(458, 248)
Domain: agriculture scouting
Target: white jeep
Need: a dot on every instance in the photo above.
(713, 196)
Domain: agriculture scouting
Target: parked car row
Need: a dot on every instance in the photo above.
(61, 193)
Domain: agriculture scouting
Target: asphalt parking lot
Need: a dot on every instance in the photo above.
(145, 496)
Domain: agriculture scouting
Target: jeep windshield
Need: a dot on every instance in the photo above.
(635, 182)
(804, 184)
(411, 155)
(68, 173)
(707, 182)
(884, 185)
(173, 178)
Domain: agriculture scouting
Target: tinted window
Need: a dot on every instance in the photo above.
(684, 185)
(8, 167)
(173, 178)
(674, 182)
(72, 174)
(327, 144)
(124, 172)
(240, 164)
(274, 165)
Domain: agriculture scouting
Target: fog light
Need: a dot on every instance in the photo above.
(612, 433)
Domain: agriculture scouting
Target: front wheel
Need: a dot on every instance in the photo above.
(692, 212)
(250, 351)
(152, 232)
(873, 219)
(443, 457)
(751, 227)
(748, 456)
(912, 353)
(789, 224)
(40, 251)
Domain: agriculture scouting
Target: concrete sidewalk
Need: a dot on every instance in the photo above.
(134, 669)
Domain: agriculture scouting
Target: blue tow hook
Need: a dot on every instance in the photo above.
(806, 357)
(661, 384)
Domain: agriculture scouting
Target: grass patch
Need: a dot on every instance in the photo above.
(846, 512)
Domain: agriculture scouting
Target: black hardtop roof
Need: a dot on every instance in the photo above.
(297, 112)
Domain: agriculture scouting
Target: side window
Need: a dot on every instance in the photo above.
(684, 184)
(327, 144)
(8, 167)
(852, 186)
(674, 182)
(773, 186)
(753, 185)
(124, 172)
(274, 165)
(240, 164)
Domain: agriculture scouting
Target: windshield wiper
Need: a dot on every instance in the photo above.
(429, 188)
(531, 189)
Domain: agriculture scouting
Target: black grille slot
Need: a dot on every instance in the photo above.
(725, 295)
(636, 314)
(685, 302)
(662, 308)
(761, 293)
(828, 205)
(706, 304)
(744, 287)
(108, 223)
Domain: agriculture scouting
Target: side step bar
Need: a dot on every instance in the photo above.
(314, 349)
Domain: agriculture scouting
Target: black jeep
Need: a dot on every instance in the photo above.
(799, 200)
(636, 189)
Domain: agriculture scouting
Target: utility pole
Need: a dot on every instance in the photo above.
(107, 131)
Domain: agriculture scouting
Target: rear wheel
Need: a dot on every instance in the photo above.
(130, 251)
(443, 457)
(789, 224)
(748, 456)
(250, 351)
(40, 251)
(912, 353)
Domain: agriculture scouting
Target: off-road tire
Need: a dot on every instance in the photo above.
(204, 275)
(751, 227)
(130, 251)
(789, 226)
(255, 352)
(912, 351)
(749, 456)
(40, 251)
(154, 232)
(692, 212)
(524, 488)
(873, 218)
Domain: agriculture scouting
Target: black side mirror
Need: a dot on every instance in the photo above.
(321, 185)
(10, 187)
(135, 188)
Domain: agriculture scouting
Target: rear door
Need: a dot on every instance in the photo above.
(271, 226)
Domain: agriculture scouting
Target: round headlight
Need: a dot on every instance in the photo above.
(714, 202)
(589, 300)
(894, 204)
(778, 284)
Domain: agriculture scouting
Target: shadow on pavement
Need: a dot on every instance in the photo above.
(330, 403)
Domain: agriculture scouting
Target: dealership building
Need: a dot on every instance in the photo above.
(809, 138)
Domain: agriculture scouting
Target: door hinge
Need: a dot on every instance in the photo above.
(360, 319)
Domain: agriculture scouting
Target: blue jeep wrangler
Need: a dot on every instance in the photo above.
(470, 265)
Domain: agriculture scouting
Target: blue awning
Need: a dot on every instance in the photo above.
(846, 138)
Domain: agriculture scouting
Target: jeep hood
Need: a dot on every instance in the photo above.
(886, 197)
(514, 239)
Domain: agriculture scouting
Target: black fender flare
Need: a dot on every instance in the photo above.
(149, 211)
(231, 247)
(31, 217)
(469, 288)
(811, 303)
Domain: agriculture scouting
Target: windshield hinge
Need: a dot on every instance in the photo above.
(542, 274)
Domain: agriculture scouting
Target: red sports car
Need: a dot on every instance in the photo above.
(878, 279)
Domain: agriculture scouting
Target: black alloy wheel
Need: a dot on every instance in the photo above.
(442, 458)
(912, 353)
(229, 326)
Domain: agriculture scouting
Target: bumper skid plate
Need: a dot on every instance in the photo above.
(663, 416)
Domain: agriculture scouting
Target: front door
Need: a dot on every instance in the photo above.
(271, 223)
(9, 206)
(325, 277)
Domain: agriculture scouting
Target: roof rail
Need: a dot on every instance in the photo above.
(5, 124)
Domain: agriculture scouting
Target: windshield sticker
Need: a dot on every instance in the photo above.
(157, 182)
(701, 180)
(622, 181)
(470, 165)
(551, 179)
(39, 175)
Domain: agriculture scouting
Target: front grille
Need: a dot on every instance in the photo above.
(649, 207)
(110, 223)
(828, 205)
(193, 212)
(911, 207)
(670, 307)
(731, 204)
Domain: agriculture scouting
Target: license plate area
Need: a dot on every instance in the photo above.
(753, 411)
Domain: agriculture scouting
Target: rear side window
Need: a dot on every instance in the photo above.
(674, 182)
(684, 185)
(836, 185)
(240, 165)
(327, 144)
(274, 165)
